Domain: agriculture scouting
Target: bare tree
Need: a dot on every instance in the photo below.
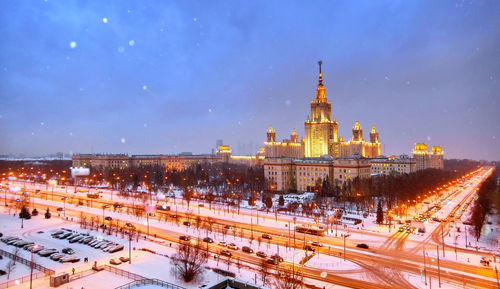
(288, 277)
(188, 262)
(11, 265)
(15, 252)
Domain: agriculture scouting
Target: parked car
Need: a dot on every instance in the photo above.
(129, 225)
(222, 244)
(115, 262)
(68, 251)
(56, 257)
(247, 249)
(187, 224)
(60, 209)
(36, 249)
(22, 244)
(69, 259)
(64, 236)
(184, 238)
(267, 236)
(208, 240)
(47, 252)
(108, 218)
(363, 246)
(229, 227)
(277, 257)
(124, 259)
(226, 253)
(116, 249)
(76, 239)
(261, 254)
(233, 246)
(317, 244)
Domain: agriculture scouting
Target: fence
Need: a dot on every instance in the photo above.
(123, 273)
(149, 282)
(23, 279)
(81, 274)
(27, 262)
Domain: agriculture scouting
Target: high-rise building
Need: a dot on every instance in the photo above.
(424, 159)
(321, 128)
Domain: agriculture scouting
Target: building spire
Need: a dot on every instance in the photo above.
(320, 74)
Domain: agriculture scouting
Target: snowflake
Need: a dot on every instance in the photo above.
(194, 19)
(144, 87)
(288, 102)
(123, 140)
(121, 49)
(42, 123)
(428, 138)
(70, 134)
(209, 110)
(131, 43)
(145, 125)
(105, 20)
(72, 44)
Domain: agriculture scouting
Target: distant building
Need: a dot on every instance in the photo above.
(393, 165)
(424, 159)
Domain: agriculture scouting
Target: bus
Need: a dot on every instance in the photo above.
(93, 195)
(351, 219)
(312, 231)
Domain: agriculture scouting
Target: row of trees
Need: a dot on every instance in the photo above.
(487, 198)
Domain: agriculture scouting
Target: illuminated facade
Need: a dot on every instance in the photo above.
(425, 159)
(321, 135)
(292, 148)
(393, 165)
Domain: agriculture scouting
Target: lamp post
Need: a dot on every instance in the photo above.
(64, 205)
(31, 266)
(103, 208)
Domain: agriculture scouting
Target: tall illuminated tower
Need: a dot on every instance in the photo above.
(321, 129)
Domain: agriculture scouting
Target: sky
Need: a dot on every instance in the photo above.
(144, 77)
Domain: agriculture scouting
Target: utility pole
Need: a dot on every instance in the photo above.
(496, 271)
(425, 268)
(442, 238)
(439, 269)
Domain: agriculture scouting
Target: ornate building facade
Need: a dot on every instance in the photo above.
(425, 159)
(321, 135)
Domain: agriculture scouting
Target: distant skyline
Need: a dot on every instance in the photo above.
(168, 77)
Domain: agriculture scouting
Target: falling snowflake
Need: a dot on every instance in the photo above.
(428, 138)
(145, 125)
(32, 133)
(105, 20)
(386, 78)
(144, 87)
(123, 140)
(70, 134)
(131, 43)
(288, 102)
(408, 82)
(42, 123)
(209, 110)
(194, 19)
(121, 49)
(72, 44)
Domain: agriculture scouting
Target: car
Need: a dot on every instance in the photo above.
(163, 208)
(187, 224)
(362, 246)
(13, 241)
(309, 248)
(401, 229)
(277, 257)
(56, 257)
(8, 239)
(108, 218)
(173, 216)
(86, 240)
(76, 239)
(47, 252)
(92, 242)
(129, 225)
(117, 206)
(226, 253)
(60, 209)
(68, 251)
(102, 244)
(115, 262)
(69, 259)
(64, 236)
(108, 247)
(229, 227)
(22, 244)
(421, 230)
(247, 249)
(36, 249)
(124, 259)
(261, 254)
(233, 246)
(201, 205)
(222, 244)
(116, 249)
(317, 244)
(208, 240)
(267, 236)
(57, 233)
(184, 238)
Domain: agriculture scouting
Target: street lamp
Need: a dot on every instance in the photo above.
(64, 205)
(31, 266)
